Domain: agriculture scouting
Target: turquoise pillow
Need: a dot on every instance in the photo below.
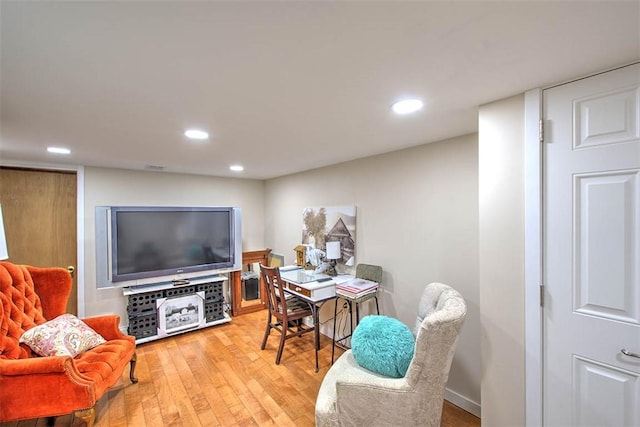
(383, 345)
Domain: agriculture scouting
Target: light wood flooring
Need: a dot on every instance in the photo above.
(219, 377)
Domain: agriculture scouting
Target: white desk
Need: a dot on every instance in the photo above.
(308, 285)
(316, 289)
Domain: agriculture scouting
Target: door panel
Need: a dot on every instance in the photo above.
(606, 118)
(605, 272)
(598, 385)
(591, 250)
(39, 210)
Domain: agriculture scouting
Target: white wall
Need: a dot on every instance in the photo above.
(105, 187)
(501, 265)
(417, 216)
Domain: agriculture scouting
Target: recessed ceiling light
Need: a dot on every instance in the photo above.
(236, 168)
(196, 134)
(407, 106)
(58, 150)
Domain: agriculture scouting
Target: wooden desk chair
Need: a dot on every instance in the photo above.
(287, 311)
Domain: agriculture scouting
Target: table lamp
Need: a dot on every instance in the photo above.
(4, 254)
(333, 253)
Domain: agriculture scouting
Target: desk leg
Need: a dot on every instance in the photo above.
(316, 332)
(333, 343)
(351, 318)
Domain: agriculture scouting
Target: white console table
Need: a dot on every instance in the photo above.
(142, 308)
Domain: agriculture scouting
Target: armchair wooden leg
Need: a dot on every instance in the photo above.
(87, 415)
(132, 369)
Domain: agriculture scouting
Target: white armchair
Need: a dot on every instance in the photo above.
(353, 396)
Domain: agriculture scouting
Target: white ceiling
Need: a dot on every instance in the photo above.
(282, 86)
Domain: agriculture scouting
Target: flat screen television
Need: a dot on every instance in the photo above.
(154, 244)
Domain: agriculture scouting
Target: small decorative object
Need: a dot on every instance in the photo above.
(314, 257)
(301, 258)
(333, 254)
(325, 268)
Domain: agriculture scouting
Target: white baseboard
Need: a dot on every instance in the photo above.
(462, 402)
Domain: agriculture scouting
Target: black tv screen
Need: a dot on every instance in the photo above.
(160, 241)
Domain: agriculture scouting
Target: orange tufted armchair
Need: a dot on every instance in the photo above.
(32, 386)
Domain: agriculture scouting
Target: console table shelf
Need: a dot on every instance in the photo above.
(142, 308)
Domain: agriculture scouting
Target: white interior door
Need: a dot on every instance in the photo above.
(591, 252)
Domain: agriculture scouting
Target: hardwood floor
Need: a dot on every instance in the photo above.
(219, 377)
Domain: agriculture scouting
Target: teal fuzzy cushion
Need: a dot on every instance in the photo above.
(383, 345)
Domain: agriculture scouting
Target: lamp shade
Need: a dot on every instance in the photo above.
(333, 250)
(4, 254)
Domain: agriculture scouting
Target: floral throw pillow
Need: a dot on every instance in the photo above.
(66, 335)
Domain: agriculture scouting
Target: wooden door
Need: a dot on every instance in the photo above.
(39, 210)
(591, 251)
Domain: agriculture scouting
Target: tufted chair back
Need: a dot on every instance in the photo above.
(432, 300)
(441, 314)
(21, 307)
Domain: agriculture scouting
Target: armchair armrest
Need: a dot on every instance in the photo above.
(23, 374)
(42, 386)
(108, 326)
(34, 365)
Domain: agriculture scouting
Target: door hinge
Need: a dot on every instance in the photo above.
(541, 130)
(541, 295)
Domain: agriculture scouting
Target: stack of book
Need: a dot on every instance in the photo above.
(356, 288)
